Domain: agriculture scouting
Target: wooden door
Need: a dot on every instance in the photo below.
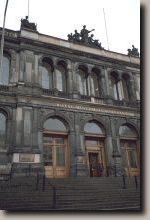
(130, 157)
(95, 156)
(55, 155)
(93, 162)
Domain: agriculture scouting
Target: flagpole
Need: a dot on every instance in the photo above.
(2, 43)
(28, 9)
(106, 28)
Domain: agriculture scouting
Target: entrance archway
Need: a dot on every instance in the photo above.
(95, 151)
(55, 148)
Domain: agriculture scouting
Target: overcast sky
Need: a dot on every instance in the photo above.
(58, 18)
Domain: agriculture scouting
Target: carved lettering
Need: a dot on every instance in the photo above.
(26, 158)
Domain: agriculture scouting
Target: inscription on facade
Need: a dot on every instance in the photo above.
(9, 34)
(93, 109)
(26, 158)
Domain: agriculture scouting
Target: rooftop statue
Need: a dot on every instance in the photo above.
(84, 38)
(84, 34)
(134, 52)
(28, 25)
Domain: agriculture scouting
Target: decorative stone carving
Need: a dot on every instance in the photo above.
(133, 52)
(70, 117)
(84, 38)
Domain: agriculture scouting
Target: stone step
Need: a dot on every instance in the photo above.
(71, 194)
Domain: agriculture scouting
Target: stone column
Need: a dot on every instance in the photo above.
(75, 86)
(89, 81)
(116, 153)
(107, 81)
(22, 66)
(73, 153)
(36, 70)
(35, 129)
(109, 155)
(27, 126)
(80, 153)
(104, 83)
(131, 88)
(36, 89)
(70, 80)
(107, 85)
(29, 67)
(13, 68)
(13, 130)
(40, 143)
(117, 156)
(19, 127)
(54, 74)
(137, 85)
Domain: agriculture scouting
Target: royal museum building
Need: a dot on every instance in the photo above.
(68, 106)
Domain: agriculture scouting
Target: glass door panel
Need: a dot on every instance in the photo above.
(60, 156)
(132, 157)
(129, 157)
(55, 155)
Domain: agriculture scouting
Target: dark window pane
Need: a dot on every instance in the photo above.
(93, 128)
(82, 82)
(115, 87)
(60, 156)
(59, 140)
(127, 131)
(125, 89)
(94, 85)
(47, 140)
(54, 125)
(46, 72)
(61, 78)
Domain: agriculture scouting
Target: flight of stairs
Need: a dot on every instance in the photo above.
(80, 193)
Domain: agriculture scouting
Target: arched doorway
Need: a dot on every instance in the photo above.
(55, 148)
(129, 150)
(95, 151)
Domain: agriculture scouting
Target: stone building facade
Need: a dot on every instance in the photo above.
(67, 109)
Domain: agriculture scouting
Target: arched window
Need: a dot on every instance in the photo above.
(2, 130)
(93, 128)
(126, 131)
(129, 149)
(55, 148)
(47, 74)
(82, 82)
(61, 78)
(5, 70)
(94, 84)
(94, 143)
(54, 124)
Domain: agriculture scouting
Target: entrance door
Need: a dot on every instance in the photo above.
(95, 156)
(130, 157)
(55, 155)
(93, 164)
